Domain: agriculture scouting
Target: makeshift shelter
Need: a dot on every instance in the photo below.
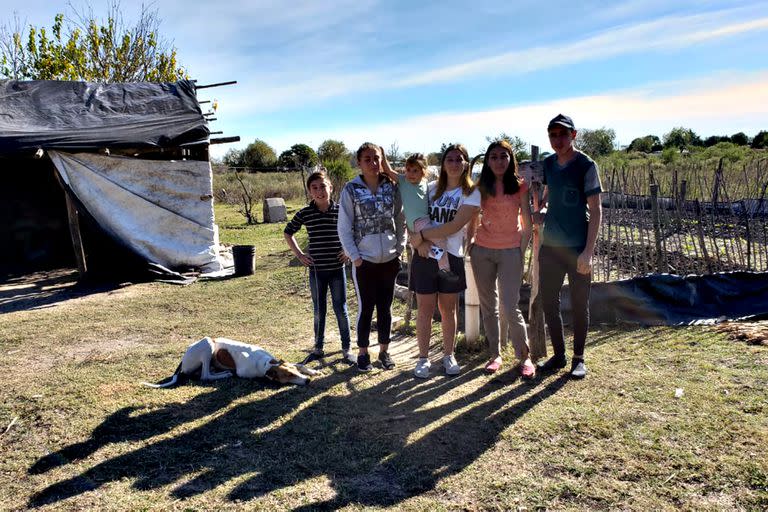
(112, 177)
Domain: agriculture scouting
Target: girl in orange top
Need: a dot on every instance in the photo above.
(497, 252)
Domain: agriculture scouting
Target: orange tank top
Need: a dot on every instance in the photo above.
(500, 219)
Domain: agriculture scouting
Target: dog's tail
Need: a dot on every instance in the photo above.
(174, 380)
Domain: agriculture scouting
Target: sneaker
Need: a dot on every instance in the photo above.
(422, 368)
(450, 365)
(315, 355)
(448, 276)
(493, 365)
(386, 361)
(578, 369)
(364, 363)
(553, 364)
(348, 357)
(527, 370)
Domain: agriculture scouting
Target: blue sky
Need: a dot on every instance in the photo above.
(423, 73)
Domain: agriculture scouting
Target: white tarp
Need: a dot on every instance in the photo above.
(163, 210)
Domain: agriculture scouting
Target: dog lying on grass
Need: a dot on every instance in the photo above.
(221, 358)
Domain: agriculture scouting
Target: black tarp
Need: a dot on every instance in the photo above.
(666, 299)
(87, 116)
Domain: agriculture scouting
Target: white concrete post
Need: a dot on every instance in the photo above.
(471, 305)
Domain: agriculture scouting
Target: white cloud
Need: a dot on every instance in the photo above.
(294, 84)
(669, 32)
(708, 108)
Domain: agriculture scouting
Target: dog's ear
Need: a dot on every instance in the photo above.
(271, 373)
(274, 362)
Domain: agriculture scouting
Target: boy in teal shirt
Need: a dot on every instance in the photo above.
(571, 226)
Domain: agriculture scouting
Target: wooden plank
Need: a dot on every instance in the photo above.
(74, 232)
(536, 339)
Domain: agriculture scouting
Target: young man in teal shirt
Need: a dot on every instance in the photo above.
(572, 195)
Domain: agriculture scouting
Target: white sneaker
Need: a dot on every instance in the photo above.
(579, 369)
(450, 365)
(422, 368)
(349, 357)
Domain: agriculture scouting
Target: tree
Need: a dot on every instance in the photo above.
(298, 156)
(331, 150)
(740, 139)
(393, 152)
(339, 171)
(597, 142)
(233, 158)
(647, 144)
(434, 158)
(681, 138)
(715, 139)
(519, 146)
(90, 49)
(258, 155)
(760, 141)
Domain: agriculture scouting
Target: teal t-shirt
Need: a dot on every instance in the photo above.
(415, 205)
(568, 186)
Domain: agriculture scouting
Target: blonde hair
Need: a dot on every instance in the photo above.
(465, 181)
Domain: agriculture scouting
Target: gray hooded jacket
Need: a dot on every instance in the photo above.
(371, 226)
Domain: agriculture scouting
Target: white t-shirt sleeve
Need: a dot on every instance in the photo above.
(472, 199)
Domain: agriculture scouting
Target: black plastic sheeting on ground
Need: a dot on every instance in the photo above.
(83, 115)
(665, 299)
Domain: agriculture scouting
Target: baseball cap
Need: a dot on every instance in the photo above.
(562, 120)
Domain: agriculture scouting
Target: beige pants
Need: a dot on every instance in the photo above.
(506, 267)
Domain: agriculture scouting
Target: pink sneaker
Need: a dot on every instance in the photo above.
(527, 370)
(493, 365)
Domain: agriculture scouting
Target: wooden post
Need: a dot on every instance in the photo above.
(657, 227)
(700, 230)
(536, 338)
(74, 232)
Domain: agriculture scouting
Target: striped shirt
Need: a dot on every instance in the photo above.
(324, 244)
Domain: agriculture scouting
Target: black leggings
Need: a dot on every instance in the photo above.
(554, 264)
(375, 287)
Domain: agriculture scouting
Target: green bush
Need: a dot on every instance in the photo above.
(288, 185)
(340, 172)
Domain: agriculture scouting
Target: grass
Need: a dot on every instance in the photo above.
(87, 436)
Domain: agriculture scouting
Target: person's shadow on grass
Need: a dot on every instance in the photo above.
(125, 425)
(359, 442)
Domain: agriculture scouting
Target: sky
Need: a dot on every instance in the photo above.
(419, 74)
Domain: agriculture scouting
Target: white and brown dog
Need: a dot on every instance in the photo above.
(228, 356)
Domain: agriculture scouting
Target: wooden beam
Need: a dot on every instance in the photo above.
(215, 85)
(536, 336)
(225, 140)
(74, 232)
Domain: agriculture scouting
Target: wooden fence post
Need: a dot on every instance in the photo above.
(536, 337)
(660, 267)
(700, 230)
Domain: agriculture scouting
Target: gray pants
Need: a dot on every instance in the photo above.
(506, 266)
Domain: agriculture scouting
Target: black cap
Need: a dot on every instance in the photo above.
(562, 120)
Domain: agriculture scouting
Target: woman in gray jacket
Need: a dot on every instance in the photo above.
(372, 232)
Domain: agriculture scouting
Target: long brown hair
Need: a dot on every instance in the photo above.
(511, 180)
(375, 147)
(465, 181)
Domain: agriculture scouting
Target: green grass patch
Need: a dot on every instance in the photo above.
(84, 435)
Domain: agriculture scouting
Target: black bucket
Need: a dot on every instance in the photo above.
(244, 256)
